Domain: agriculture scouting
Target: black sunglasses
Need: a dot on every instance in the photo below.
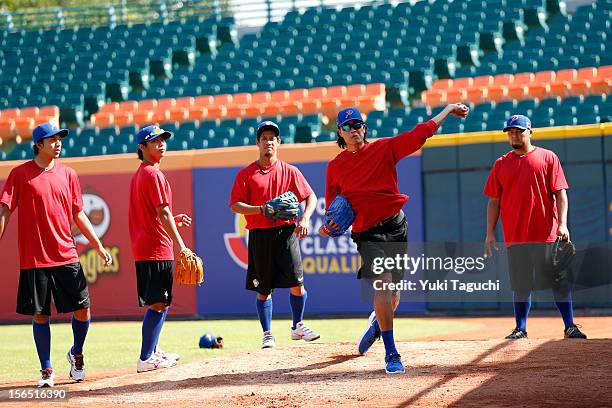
(355, 126)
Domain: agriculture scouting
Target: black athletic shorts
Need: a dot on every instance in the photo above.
(529, 266)
(384, 240)
(275, 260)
(67, 283)
(154, 282)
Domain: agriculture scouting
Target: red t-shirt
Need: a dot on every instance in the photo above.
(255, 185)
(368, 177)
(149, 189)
(525, 186)
(47, 202)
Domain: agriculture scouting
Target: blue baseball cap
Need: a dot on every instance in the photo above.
(46, 130)
(519, 122)
(151, 132)
(267, 125)
(348, 114)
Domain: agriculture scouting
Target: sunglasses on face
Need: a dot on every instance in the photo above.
(355, 126)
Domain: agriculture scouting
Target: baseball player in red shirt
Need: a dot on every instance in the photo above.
(365, 173)
(527, 186)
(48, 195)
(274, 253)
(153, 229)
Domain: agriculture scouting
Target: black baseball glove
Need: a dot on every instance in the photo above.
(562, 254)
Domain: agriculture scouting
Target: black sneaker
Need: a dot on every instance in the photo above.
(517, 334)
(573, 332)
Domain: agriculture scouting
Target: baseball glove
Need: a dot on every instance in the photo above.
(189, 269)
(338, 217)
(283, 207)
(562, 254)
(209, 340)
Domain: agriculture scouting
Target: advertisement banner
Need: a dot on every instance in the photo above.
(113, 288)
(330, 264)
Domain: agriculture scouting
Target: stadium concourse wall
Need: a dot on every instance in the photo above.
(444, 182)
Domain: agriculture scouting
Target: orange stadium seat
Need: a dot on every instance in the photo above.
(588, 73)
(160, 115)
(185, 102)
(197, 112)
(281, 96)
(128, 106)
(252, 111)
(356, 90)
(298, 94)
(142, 117)
(147, 105)
(123, 118)
(330, 106)
(375, 89)
(224, 99)
(484, 80)
(317, 93)
(580, 87)
(369, 103)
(497, 93)
(216, 111)
(524, 78)
(234, 111)
(442, 84)
(7, 128)
(204, 100)
(476, 94)
(46, 119)
(601, 86)
(433, 97)
(503, 79)
(464, 83)
(559, 88)
(166, 104)
(24, 127)
(538, 90)
(12, 113)
(178, 114)
(517, 92)
(455, 95)
(604, 72)
(544, 77)
(103, 120)
(30, 112)
(289, 108)
(567, 75)
(241, 98)
(50, 110)
(260, 98)
(110, 107)
(311, 106)
(336, 92)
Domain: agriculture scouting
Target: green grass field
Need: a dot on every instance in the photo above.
(116, 345)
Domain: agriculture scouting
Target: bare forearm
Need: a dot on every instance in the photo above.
(5, 215)
(562, 206)
(492, 215)
(311, 204)
(441, 117)
(84, 225)
(246, 209)
(167, 220)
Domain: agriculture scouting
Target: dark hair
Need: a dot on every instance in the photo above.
(139, 153)
(35, 148)
(342, 143)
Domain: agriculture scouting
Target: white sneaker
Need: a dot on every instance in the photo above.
(47, 378)
(77, 370)
(153, 363)
(166, 356)
(268, 340)
(302, 332)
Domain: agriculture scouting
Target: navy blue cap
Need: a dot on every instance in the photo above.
(46, 130)
(519, 122)
(267, 125)
(151, 132)
(348, 114)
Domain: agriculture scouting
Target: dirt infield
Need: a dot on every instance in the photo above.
(474, 368)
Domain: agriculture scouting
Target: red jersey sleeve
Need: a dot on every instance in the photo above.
(239, 190)
(157, 190)
(301, 188)
(77, 195)
(409, 142)
(10, 192)
(493, 187)
(331, 190)
(556, 176)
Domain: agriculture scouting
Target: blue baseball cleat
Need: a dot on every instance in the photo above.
(370, 335)
(394, 364)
